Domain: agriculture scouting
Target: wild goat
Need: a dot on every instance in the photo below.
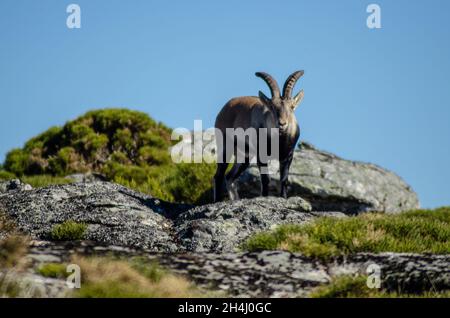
(257, 112)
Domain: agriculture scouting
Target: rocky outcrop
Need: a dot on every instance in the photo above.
(114, 214)
(119, 216)
(200, 242)
(222, 226)
(331, 183)
(284, 274)
(267, 273)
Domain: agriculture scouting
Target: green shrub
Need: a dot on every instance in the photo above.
(6, 175)
(53, 270)
(17, 162)
(420, 231)
(68, 231)
(183, 182)
(154, 156)
(87, 143)
(66, 161)
(127, 147)
(191, 182)
(153, 140)
(51, 137)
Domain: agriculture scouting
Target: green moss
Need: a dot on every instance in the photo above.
(420, 231)
(53, 270)
(68, 231)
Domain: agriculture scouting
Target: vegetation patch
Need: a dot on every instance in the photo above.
(69, 231)
(39, 181)
(53, 270)
(150, 269)
(12, 250)
(346, 286)
(6, 175)
(418, 231)
(13, 245)
(115, 278)
(6, 225)
(127, 147)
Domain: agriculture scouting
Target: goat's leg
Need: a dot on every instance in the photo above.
(219, 181)
(235, 172)
(265, 179)
(284, 175)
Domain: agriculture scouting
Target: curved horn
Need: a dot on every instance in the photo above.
(274, 89)
(290, 82)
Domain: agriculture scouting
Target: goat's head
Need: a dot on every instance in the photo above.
(284, 105)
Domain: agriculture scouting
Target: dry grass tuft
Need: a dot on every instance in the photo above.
(13, 245)
(109, 278)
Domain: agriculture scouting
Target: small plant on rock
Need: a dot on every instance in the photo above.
(68, 231)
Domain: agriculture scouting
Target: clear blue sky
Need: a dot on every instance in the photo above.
(381, 96)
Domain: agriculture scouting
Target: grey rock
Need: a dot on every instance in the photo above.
(275, 273)
(14, 185)
(114, 214)
(284, 274)
(331, 183)
(31, 285)
(221, 227)
(119, 216)
(407, 271)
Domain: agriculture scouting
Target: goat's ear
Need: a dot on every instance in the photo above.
(264, 98)
(298, 99)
